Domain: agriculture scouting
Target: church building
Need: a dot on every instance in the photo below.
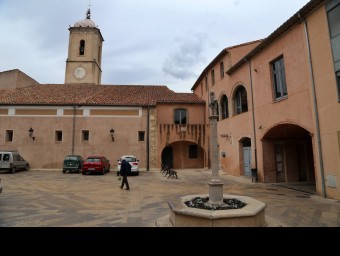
(84, 117)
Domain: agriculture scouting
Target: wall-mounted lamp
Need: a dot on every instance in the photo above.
(30, 133)
(112, 133)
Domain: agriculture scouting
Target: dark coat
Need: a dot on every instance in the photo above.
(125, 168)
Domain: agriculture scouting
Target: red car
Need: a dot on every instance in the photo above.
(99, 164)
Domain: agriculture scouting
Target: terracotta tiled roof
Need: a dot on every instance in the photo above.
(90, 94)
(181, 98)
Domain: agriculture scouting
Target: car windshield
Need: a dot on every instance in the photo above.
(130, 159)
(90, 160)
(74, 158)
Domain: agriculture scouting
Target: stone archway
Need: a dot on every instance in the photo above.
(183, 155)
(288, 155)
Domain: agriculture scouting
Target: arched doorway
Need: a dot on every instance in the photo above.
(288, 155)
(168, 157)
(183, 155)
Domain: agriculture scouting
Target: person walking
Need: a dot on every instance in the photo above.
(125, 168)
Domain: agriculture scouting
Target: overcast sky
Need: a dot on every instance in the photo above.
(146, 42)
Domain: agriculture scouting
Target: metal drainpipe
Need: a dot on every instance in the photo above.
(73, 128)
(317, 124)
(147, 140)
(253, 110)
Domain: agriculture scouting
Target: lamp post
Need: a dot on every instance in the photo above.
(215, 184)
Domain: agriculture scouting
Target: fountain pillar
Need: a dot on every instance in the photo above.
(215, 184)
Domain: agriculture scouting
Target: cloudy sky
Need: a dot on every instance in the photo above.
(147, 42)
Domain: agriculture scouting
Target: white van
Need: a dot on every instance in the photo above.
(12, 161)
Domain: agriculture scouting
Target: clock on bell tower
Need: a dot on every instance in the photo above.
(83, 64)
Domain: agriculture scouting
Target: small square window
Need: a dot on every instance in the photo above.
(9, 135)
(58, 136)
(141, 136)
(192, 151)
(85, 135)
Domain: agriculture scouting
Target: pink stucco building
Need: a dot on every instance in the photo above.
(279, 111)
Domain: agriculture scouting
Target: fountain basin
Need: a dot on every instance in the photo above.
(251, 215)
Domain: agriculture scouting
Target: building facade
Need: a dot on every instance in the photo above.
(279, 103)
(86, 118)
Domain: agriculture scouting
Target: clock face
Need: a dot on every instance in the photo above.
(79, 73)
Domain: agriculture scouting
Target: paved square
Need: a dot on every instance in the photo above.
(52, 199)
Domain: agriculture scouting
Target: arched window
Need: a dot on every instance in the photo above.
(241, 104)
(82, 47)
(224, 107)
(180, 116)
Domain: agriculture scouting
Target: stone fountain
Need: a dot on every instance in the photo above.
(252, 214)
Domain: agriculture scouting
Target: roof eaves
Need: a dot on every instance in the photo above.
(40, 104)
(295, 19)
(218, 58)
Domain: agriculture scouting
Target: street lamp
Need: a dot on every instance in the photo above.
(215, 184)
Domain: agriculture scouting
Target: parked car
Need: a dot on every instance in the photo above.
(99, 164)
(12, 161)
(0, 186)
(133, 161)
(73, 163)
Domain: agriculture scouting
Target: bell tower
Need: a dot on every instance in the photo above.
(83, 64)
